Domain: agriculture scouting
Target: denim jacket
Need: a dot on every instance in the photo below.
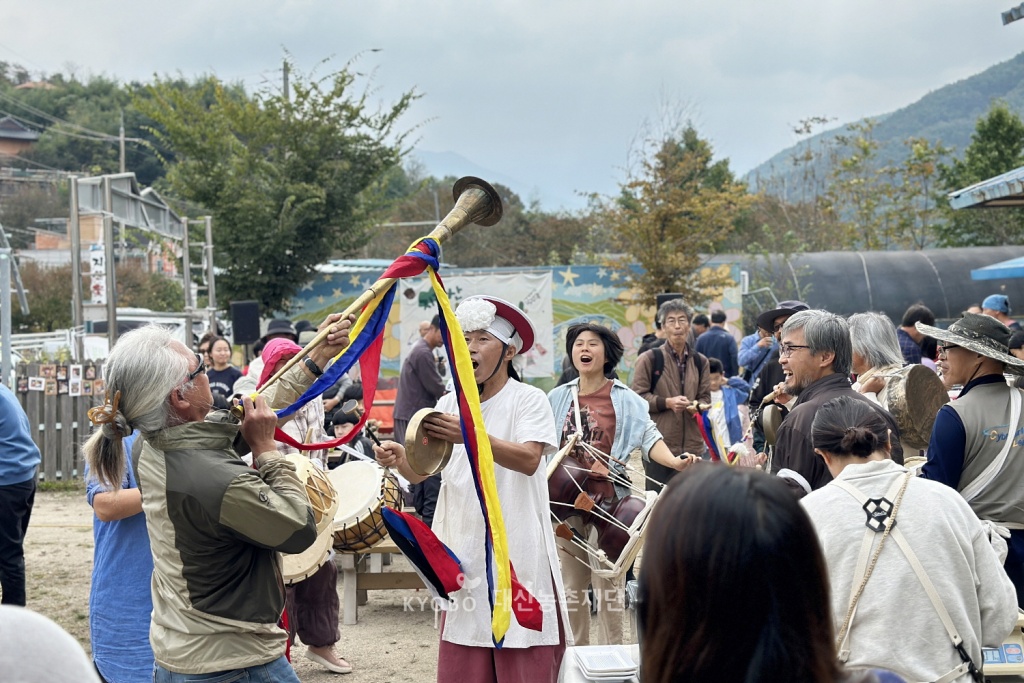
(633, 425)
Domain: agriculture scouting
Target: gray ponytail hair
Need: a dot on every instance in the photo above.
(142, 369)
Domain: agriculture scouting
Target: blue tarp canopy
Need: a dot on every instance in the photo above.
(1000, 271)
(1003, 190)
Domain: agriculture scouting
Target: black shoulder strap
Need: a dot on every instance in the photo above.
(703, 365)
(659, 365)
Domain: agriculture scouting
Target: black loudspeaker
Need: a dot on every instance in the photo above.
(659, 299)
(245, 322)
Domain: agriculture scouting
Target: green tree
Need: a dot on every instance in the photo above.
(673, 214)
(79, 123)
(137, 288)
(915, 206)
(289, 180)
(858, 190)
(48, 290)
(997, 146)
(525, 236)
(792, 210)
(28, 202)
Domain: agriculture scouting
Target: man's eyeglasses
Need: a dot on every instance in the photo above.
(674, 322)
(943, 348)
(777, 326)
(200, 369)
(786, 350)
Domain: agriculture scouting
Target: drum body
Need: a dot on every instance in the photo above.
(610, 529)
(323, 499)
(300, 566)
(364, 488)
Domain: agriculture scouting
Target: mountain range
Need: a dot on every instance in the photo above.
(947, 115)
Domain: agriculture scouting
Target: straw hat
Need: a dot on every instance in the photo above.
(981, 334)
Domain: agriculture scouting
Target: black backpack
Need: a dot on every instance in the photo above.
(658, 365)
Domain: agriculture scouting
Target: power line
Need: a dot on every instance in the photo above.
(59, 121)
(56, 129)
(15, 158)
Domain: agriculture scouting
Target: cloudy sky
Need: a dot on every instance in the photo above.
(549, 95)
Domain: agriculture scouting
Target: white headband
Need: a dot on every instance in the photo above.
(480, 314)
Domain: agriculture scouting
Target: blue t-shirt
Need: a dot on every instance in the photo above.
(120, 602)
(19, 456)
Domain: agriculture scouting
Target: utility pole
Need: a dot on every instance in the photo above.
(121, 140)
(287, 96)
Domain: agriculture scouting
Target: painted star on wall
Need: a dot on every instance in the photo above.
(336, 292)
(354, 280)
(569, 277)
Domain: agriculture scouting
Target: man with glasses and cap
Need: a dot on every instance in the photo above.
(976, 444)
(521, 429)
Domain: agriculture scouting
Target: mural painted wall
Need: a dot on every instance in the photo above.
(555, 298)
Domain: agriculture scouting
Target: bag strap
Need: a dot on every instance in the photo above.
(576, 408)
(658, 360)
(981, 482)
(895, 491)
(966, 663)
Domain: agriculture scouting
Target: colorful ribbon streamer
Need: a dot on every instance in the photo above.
(707, 431)
(366, 340)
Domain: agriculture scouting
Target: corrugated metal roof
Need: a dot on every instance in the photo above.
(1013, 268)
(1003, 190)
(363, 265)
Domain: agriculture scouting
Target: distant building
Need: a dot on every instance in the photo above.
(14, 137)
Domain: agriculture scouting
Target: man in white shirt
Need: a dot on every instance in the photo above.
(521, 430)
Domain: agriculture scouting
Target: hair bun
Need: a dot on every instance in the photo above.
(859, 440)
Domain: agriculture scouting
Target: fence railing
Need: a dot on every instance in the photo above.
(56, 398)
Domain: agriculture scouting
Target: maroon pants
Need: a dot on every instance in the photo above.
(313, 608)
(537, 664)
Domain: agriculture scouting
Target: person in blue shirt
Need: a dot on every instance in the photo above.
(755, 349)
(718, 343)
(120, 601)
(19, 464)
(729, 413)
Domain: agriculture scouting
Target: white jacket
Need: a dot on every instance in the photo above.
(895, 626)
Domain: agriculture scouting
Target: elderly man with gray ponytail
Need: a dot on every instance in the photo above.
(215, 525)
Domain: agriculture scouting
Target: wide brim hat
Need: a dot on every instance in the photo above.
(281, 326)
(981, 334)
(766, 319)
(516, 318)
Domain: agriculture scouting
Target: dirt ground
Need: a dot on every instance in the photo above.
(391, 642)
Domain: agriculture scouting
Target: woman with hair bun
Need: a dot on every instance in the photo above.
(882, 572)
(746, 605)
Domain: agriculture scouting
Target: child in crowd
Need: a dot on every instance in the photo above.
(729, 414)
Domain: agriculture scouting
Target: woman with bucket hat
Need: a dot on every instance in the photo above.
(977, 442)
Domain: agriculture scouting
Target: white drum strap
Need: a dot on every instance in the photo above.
(576, 408)
(981, 482)
(966, 665)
